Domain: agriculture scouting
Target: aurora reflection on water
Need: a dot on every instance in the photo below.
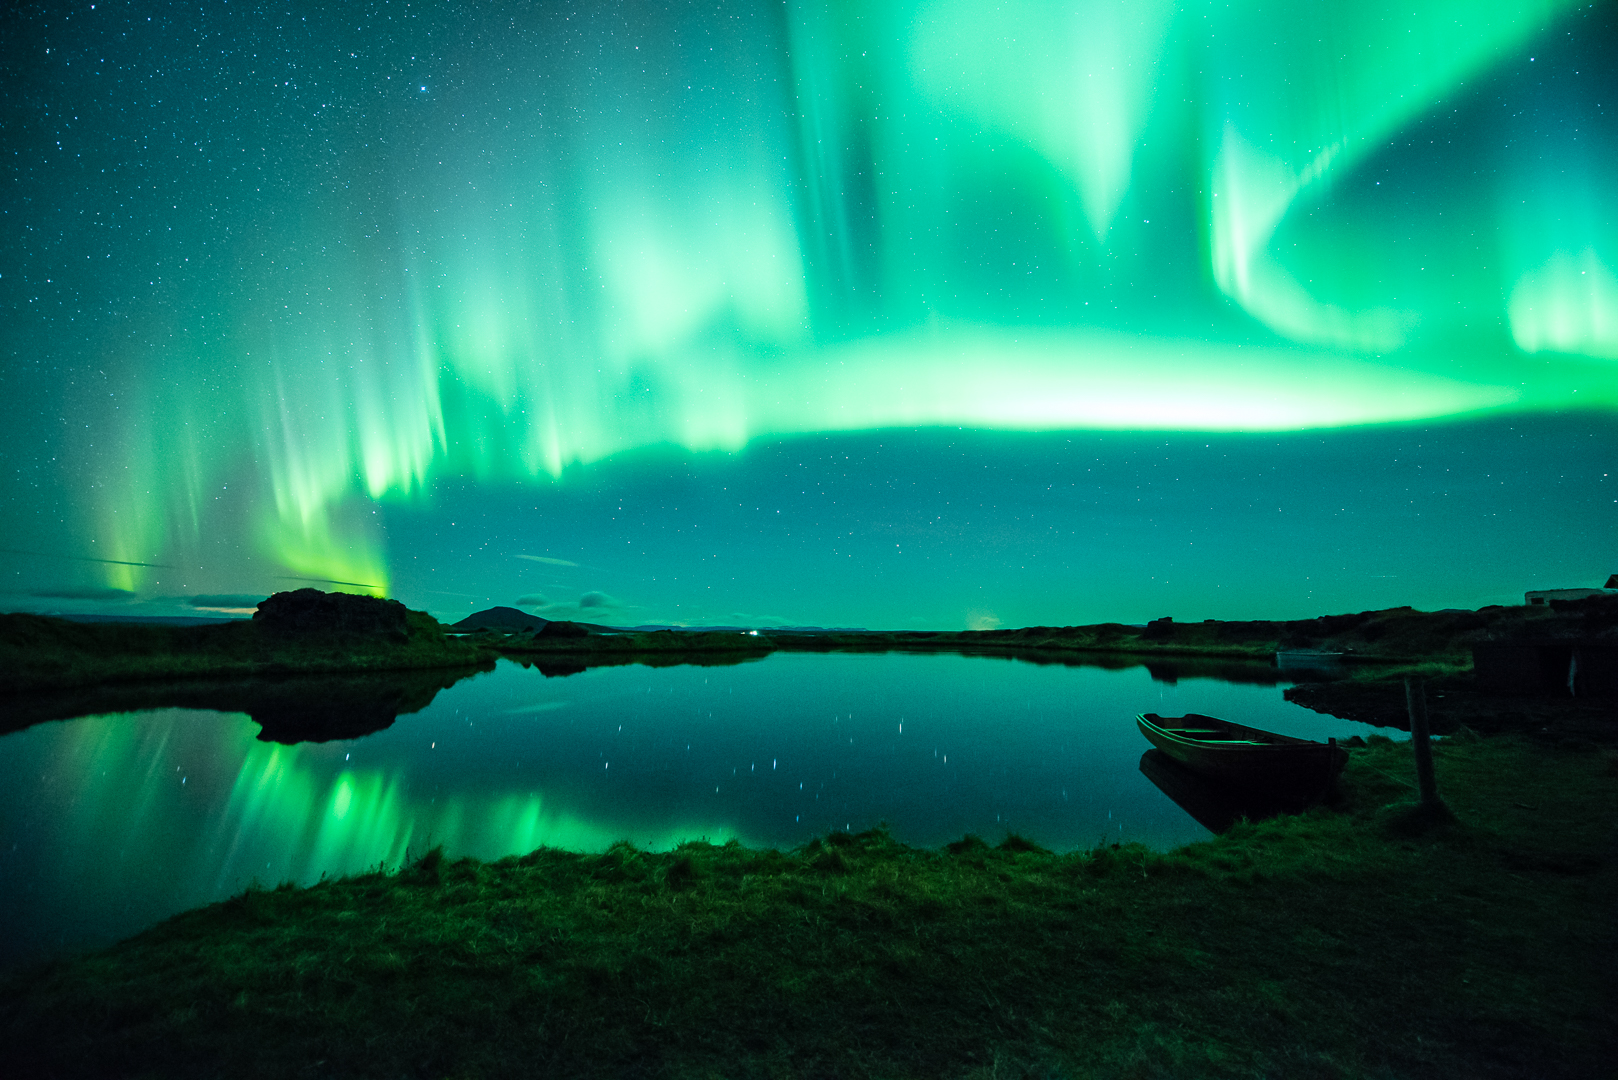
(110, 823)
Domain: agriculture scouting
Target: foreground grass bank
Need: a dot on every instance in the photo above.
(1341, 943)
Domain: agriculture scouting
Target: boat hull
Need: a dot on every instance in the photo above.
(1217, 806)
(1244, 757)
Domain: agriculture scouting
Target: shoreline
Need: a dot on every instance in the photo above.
(50, 667)
(1348, 941)
(46, 652)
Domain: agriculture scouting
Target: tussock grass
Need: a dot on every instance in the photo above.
(1329, 945)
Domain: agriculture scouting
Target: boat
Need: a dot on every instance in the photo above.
(1310, 661)
(1242, 756)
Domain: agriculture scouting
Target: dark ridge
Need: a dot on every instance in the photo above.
(502, 618)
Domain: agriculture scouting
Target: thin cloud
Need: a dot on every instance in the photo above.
(83, 594)
(331, 581)
(590, 607)
(547, 560)
(590, 601)
(743, 618)
(544, 706)
(227, 601)
(81, 558)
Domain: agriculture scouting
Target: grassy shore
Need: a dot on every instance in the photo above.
(1433, 642)
(1346, 942)
(42, 653)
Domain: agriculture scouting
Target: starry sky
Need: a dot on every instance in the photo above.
(913, 314)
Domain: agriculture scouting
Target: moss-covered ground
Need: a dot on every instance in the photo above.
(1345, 942)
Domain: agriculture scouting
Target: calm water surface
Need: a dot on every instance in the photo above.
(110, 823)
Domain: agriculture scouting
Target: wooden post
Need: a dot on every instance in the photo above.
(1416, 703)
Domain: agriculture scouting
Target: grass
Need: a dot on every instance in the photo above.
(1388, 643)
(42, 653)
(1340, 943)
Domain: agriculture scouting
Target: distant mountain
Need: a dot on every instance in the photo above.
(501, 618)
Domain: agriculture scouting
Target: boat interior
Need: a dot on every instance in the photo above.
(1203, 729)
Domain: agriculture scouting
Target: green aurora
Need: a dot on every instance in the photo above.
(543, 305)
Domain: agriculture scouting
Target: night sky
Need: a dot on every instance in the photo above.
(916, 314)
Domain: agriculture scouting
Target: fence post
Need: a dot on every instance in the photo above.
(1416, 703)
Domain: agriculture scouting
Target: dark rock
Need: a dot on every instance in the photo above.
(508, 619)
(1163, 673)
(310, 611)
(564, 629)
(1159, 629)
(323, 708)
(561, 669)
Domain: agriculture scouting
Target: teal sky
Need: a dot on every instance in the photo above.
(931, 314)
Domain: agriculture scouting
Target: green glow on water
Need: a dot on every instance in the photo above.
(299, 811)
(112, 822)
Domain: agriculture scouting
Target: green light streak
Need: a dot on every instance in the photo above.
(1075, 82)
(1568, 305)
(1021, 216)
(1307, 94)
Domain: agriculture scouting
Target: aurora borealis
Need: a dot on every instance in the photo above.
(886, 314)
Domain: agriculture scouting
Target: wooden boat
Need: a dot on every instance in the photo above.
(1242, 756)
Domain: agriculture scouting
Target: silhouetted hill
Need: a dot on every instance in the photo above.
(508, 619)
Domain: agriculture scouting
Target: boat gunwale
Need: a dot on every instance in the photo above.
(1267, 741)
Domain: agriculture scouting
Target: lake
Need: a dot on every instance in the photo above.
(110, 823)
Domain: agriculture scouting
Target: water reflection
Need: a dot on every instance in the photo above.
(288, 709)
(109, 823)
(1216, 807)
